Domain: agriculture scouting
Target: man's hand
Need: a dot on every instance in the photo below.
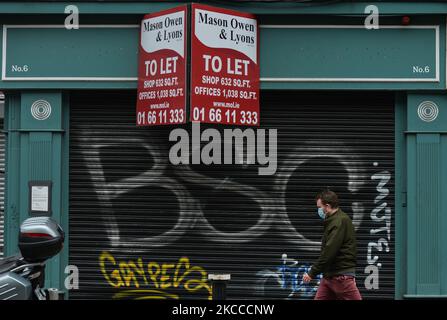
(306, 278)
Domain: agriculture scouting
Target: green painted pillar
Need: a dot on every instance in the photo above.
(400, 195)
(36, 124)
(426, 220)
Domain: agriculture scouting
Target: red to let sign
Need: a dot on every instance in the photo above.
(162, 68)
(224, 67)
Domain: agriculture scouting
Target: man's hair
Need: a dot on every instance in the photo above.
(328, 197)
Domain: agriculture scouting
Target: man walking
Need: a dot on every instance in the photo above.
(337, 259)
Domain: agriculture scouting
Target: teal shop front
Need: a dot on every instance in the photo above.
(361, 111)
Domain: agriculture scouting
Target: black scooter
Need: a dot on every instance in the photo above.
(22, 276)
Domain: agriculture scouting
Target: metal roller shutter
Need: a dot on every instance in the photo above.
(142, 227)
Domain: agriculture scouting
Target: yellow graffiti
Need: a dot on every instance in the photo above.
(151, 294)
(128, 274)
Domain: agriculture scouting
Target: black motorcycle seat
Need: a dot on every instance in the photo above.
(9, 263)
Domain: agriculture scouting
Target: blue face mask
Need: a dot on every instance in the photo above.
(321, 213)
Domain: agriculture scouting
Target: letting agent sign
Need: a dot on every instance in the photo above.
(224, 67)
(162, 68)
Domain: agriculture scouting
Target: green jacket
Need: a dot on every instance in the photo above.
(338, 247)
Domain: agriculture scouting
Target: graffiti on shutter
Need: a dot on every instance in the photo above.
(141, 227)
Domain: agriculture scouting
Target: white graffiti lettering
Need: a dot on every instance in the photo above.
(381, 215)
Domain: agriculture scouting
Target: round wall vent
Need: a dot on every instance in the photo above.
(41, 109)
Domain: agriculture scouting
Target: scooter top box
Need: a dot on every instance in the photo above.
(40, 239)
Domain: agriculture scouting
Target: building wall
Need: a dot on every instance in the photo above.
(2, 174)
(415, 187)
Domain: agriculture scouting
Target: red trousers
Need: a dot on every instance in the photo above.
(338, 288)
